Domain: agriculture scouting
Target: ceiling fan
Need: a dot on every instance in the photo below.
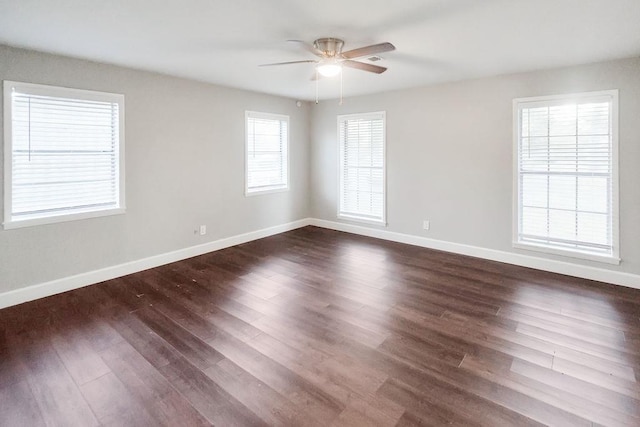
(332, 58)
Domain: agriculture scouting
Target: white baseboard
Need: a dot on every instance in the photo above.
(569, 269)
(53, 287)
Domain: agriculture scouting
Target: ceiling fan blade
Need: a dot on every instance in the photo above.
(287, 63)
(364, 67)
(368, 50)
(308, 47)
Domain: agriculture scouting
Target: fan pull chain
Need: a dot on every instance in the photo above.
(340, 103)
(317, 79)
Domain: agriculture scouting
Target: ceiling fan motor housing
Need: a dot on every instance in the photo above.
(332, 58)
(329, 46)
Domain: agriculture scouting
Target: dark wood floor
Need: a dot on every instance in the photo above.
(316, 327)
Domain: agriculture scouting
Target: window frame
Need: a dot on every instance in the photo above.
(68, 93)
(549, 100)
(351, 217)
(269, 189)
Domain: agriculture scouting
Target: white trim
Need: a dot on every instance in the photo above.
(561, 99)
(30, 293)
(272, 188)
(609, 95)
(615, 201)
(62, 218)
(566, 252)
(8, 152)
(66, 93)
(561, 267)
(362, 220)
(354, 217)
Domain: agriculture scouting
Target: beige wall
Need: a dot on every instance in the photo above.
(449, 155)
(184, 167)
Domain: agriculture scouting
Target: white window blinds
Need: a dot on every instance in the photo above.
(63, 153)
(267, 157)
(362, 166)
(567, 173)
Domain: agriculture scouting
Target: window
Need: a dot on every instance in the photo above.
(64, 154)
(267, 160)
(566, 168)
(362, 167)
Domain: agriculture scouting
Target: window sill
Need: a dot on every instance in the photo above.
(568, 253)
(353, 218)
(9, 225)
(249, 193)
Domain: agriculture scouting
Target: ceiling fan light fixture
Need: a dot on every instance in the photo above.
(330, 69)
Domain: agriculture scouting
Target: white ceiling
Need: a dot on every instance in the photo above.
(223, 41)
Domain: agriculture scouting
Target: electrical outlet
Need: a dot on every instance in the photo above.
(203, 230)
(425, 224)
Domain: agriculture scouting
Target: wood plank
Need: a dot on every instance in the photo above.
(18, 406)
(304, 395)
(549, 393)
(54, 390)
(211, 400)
(272, 407)
(196, 351)
(316, 327)
(113, 404)
(150, 389)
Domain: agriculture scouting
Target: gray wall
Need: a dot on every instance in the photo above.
(184, 167)
(449, 155)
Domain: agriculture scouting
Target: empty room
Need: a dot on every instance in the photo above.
(336, 213)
